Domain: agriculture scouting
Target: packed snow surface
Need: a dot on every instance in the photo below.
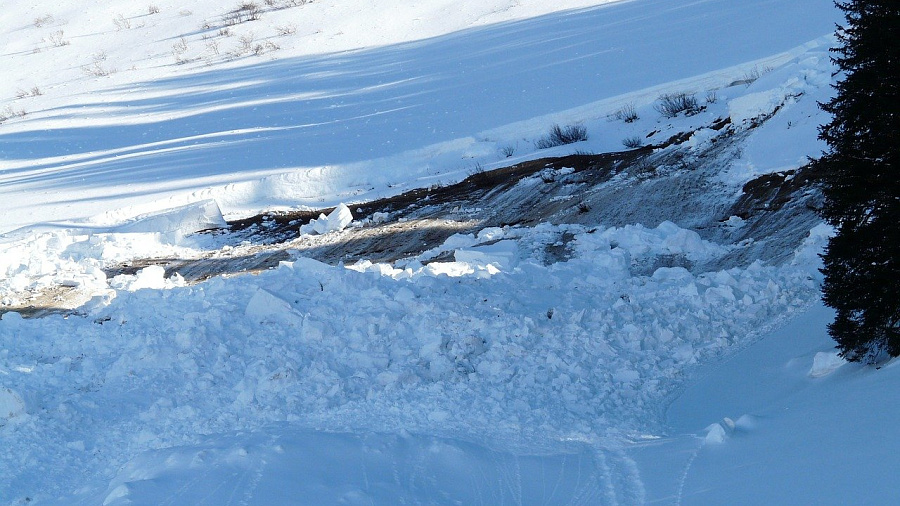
(554, 364)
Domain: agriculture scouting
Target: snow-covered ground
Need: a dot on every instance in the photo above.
(555, 364)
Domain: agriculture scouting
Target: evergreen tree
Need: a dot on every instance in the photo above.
(862, 183)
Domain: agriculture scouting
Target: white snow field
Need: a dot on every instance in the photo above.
(497, 375)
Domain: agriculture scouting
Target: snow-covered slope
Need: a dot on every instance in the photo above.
(362, 97)
(644, 358)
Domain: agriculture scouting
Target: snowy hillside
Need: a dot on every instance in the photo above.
(612, 328)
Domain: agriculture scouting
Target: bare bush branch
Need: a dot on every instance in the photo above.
(632, 142)
(57, 39)
(247, 11)
(627, 114)
(122, 23)
(559, 136)
(286, 30)
(96, 68)
(43, 20)
(672, 104)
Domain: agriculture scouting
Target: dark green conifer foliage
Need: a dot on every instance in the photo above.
(862, 183)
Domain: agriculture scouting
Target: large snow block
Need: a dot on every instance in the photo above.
(336, 221)
(179, 222)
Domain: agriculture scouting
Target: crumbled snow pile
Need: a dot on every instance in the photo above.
(567, 350)
(40, 260)
(36, 260)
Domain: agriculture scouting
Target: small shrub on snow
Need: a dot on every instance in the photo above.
(180, 46)
(626, 114)
(266, 47)
(286, 30)
(508, 151)
(122, 23)
(96, 68)
(247, 11)
(57, 39)
(477, 170)
(632, 142)
(245, 43)
(10, 113)
(284, 4)
(178, 51)
(560, 136)
(33, 92)
(152, 9)
(43, 20)
(672, 104)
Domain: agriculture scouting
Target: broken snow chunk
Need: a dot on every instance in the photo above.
(501, 254)
(626, 376)
(11, 405)
(266, 307)
(336, 221)
(745, 422)
(734, 222)
(404, 294)
(715, 433)
(825, 363)
(153, 276)
(490, 234)
(451, 269)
